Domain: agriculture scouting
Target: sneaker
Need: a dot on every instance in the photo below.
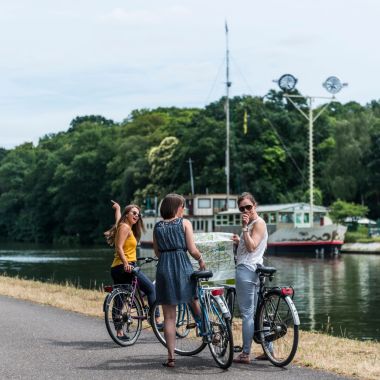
(123, 337)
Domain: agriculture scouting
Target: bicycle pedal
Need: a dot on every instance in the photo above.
(191, 325)
(238, 348)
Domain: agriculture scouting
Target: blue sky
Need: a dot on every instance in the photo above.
(60, 60)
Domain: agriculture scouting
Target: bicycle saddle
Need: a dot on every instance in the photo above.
(201, 274)
(265, 270)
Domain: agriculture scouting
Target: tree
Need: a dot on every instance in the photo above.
(340, 210)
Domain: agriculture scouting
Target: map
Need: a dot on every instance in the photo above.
(218, 254)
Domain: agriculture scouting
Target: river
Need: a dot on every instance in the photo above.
(340, 295)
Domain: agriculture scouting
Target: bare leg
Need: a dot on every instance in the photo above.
(169, 328)
(195, 307)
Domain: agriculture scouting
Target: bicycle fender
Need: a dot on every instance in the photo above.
(289, 301)
(293, 309)
(107, 300)
(222, 304)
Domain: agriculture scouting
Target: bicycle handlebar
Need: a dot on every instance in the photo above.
(147, 259)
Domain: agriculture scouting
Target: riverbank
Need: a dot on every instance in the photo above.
(361, 248)
(319, 351)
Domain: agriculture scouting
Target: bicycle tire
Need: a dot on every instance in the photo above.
(122, 313)
(277, 329)
(230, 300)
(187, 341)
(221, 343)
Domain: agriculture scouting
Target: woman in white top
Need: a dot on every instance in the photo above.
(252, 244)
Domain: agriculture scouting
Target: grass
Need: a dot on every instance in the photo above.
(342, 356)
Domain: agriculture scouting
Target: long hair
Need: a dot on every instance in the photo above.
(247, 195)
(170, 205)
(137, 228)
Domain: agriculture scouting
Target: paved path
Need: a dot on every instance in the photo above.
(41, 342)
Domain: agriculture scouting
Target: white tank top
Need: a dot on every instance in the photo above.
(251, 259)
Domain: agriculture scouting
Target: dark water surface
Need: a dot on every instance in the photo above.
(341, 295)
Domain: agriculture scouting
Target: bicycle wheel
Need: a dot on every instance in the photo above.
(123, 313)
(277, 329)
(230, 300)
(221, 342)
(187, 340)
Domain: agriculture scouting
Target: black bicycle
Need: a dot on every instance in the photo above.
(125, 308)
(276, 318)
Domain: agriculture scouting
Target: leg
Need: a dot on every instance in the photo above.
(246, 293)
(147, 287)
(169, 329)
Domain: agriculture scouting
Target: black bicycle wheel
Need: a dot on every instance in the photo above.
(188, 342)
(277, 329)
(121, 313)
(230, 300)
(221, 341)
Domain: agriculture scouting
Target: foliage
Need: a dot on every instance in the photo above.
(340, 210)
(60, 190)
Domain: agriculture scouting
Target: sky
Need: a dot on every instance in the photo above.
(60, 60)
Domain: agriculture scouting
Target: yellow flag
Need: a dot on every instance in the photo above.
(245, 124)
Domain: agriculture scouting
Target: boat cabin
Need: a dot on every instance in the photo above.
(277, 216)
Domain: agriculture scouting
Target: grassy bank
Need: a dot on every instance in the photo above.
(339, 355)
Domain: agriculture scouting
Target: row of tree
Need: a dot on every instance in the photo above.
(60, 190)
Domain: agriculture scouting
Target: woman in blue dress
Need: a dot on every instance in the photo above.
(172, 239)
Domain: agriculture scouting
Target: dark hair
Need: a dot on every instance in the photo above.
(247, 195)
(170, 205)
(137, 228)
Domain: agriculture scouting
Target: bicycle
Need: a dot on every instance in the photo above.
(213, 330)
(276, 319)
(125, 309)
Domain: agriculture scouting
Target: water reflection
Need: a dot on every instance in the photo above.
(338, 294)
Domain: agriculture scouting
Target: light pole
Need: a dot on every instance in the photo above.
(333, 85)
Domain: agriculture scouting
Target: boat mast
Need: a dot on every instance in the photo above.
(227, 107)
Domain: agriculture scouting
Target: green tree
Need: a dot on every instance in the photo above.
(340, 210)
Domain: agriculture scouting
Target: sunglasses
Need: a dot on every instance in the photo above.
(244, 208)
(135, 213)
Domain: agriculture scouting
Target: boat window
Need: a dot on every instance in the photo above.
(266, 217)
(286, 217)
(204, 203)
(298, 218)
(232, 203)
(306, 218)
(272, 218)
(219, 204)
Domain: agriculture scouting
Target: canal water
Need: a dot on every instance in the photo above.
(338, 295)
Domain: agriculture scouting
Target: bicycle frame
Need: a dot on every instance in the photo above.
(204, 294)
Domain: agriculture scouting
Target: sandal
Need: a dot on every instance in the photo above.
(243, 358)
(170, 363)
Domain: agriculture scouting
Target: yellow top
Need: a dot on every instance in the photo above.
(129, 249)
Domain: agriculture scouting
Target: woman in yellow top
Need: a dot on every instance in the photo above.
(124, 235)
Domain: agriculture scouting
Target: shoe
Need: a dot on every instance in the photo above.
(261, 357)
(170, 363)
(243, 358)
(123, 337)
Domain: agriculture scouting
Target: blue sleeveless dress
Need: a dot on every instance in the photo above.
(173, 283)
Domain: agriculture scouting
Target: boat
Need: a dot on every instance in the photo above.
(291, 230)
(289, 227)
